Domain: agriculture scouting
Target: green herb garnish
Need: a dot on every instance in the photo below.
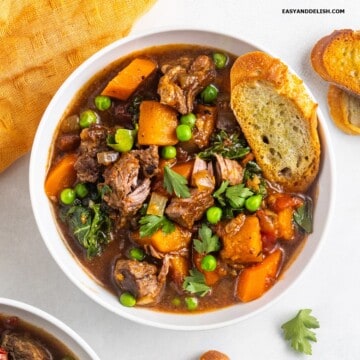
(175, 183)
(297, 331)
(231, 146)
(152, 223)
(237, 194)
(303, 216)
(90, 226)
(208, 242)
(234, 196)
(195, 283)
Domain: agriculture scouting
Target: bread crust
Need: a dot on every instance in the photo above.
(338, 101)
(296, 141)
(334, 58)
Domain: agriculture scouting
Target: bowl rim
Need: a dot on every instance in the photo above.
(50, 319)
(129, 314)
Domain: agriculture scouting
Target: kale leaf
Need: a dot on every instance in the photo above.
(231, 146)
(90, 225)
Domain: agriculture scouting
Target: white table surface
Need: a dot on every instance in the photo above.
(331, 287)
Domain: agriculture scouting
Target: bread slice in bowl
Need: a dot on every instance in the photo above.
(278, 118)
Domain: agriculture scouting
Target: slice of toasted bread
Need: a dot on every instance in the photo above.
(336, 58)
(278, 118)
(344, 109)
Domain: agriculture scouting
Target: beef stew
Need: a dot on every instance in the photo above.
(21, 340)
(156, 190)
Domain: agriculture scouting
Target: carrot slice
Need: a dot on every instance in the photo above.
(254, 281)
(129, 78)
(62, 175)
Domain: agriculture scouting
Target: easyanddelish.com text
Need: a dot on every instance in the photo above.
(313, 11)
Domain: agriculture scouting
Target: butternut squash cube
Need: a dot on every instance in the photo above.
(254, 281)
(179, 269)
(157, 124)
(285, 224)
(173, 241)
(242, 240)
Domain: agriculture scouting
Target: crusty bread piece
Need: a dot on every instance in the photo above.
(278, 118)
(336, 58)
(344, 109)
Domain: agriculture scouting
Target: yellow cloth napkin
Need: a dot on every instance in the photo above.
(41, 42)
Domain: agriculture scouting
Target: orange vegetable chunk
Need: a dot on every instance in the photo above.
(157, 124)
(185, 169)
(254, 281)
(179, 269)
(285, 224)
(61, 176)
(211, 277)
(242, 240)
(128, 79)
(173, 241)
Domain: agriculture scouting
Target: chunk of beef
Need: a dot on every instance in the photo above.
(68, 142)
(205, 125)
(226, 119)
(141, 279)
(93, 141)
(149, 160)
(134, 200)
(228, 170)
(23, 347)
(183, 80)
(202, 175)
(185, 211)
(87, 168)
(128, 193)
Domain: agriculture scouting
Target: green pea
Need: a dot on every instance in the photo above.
(191, 303)
(208, 263)
(220, 60)
(176, 301)
(253, 202)
(124, 139)
(183, 132)
(137, 254)
(168, 152)
(213, 214)
(67, 196)
(87, 118)
(209, 94)
(102, 102)
(81, 190)
(127, 299)
(188, 119)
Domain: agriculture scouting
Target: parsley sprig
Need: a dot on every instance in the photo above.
(152, 223)
(208, 242)
(297, 331)
(195, 283)
(234, 196)
(175, 183)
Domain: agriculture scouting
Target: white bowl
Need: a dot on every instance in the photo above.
(72, 268)
(49, 324)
